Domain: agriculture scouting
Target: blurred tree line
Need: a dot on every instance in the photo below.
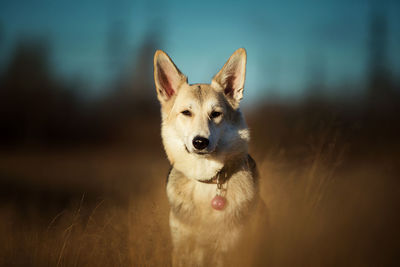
(38, 108)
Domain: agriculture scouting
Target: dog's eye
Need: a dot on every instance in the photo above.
(215, 114)
(187, 113)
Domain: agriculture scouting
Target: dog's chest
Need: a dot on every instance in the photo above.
(191, 200)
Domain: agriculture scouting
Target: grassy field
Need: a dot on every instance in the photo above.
(329, 203)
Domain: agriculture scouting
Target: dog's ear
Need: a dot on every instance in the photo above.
(231, 77)
(167, 76)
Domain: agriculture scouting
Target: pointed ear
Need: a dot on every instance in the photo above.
(167, 76)
(231, 77)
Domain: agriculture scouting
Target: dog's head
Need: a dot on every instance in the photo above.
(202, 121)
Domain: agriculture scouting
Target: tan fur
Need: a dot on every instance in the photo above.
(201, 235)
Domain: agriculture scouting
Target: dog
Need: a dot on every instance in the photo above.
(212, 186)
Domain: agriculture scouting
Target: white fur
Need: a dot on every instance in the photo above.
(192, 165)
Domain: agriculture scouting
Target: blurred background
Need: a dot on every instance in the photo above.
(82, 168)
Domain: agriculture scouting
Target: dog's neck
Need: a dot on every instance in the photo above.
(199, 168)
(207, 169)
(220, 178)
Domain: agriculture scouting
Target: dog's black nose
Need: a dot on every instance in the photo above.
(200, 142)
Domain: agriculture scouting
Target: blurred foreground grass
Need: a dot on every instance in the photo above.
(106, 205)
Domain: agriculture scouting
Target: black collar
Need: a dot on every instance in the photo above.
(220, 178)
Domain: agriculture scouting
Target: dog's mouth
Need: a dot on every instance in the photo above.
(199, 152)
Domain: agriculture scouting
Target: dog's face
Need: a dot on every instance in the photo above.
(200, 114)
(201, 120)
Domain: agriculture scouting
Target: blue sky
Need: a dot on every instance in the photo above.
(284, 39)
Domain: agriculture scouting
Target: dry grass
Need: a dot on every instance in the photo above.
(107, 207)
